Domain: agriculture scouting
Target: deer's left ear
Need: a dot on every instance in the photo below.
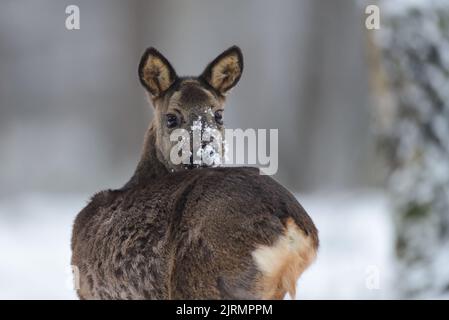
(225, 71)
(155, 72)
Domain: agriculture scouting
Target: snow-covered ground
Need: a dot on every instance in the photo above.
(354, 261)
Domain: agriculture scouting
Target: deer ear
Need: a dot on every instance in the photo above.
(155, 72)
(224, 72)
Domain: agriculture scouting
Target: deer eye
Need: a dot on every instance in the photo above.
(219, 116)
(172, 120)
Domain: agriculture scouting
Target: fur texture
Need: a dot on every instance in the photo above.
(182, 235)
(206, 233)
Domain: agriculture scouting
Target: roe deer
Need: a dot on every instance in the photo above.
(181, 232)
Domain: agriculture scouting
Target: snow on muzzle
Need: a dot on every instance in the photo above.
(199, 146)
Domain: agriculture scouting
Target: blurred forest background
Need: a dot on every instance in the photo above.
(73, 116)
(73, 112)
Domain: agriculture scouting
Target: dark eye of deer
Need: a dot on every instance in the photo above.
(172, 120)
(219, 117)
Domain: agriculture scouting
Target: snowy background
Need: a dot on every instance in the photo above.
(73, 116)
(354, 230)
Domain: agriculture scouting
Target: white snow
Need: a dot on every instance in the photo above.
(210, 154)
(354, 230)
(35, 252)
(356, 245)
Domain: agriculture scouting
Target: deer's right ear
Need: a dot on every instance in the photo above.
(155, 72)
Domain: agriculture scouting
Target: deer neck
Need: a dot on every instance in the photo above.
(150, 166)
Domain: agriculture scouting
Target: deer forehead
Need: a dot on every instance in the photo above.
(192, 94)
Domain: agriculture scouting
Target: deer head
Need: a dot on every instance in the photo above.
(187, 104)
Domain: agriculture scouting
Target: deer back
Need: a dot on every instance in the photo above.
(206, 233)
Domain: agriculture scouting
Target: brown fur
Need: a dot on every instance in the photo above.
(282, 263)
(206, 233)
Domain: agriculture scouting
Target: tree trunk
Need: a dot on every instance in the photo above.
(413, 127)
